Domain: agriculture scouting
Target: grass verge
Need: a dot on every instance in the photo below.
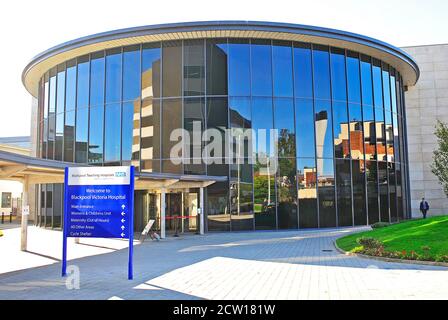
(425, 240)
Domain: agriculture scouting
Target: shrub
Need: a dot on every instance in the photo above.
(441, 258)
(379, 225)
(370, 243)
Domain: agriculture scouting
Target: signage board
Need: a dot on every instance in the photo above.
(148, 227)
(99, 203)
(26, 211)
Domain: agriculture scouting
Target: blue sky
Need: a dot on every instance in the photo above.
(29, 27)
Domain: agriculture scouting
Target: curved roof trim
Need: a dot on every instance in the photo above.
(44, 61)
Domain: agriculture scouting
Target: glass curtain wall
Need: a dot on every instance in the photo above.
(339, 118)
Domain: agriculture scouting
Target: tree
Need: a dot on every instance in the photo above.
(440, 160)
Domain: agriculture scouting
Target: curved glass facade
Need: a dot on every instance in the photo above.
(339, 115)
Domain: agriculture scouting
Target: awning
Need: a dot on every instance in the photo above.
(39, 171)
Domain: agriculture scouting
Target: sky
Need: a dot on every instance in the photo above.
(30, 27)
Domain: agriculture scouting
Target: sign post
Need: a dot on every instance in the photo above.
(98, 203)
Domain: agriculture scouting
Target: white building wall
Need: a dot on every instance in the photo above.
(425, 103)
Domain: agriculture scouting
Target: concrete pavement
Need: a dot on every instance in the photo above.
(250, 265)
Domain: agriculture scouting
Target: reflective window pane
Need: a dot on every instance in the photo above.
(369, 132)
(286, 194)
(171, 120)
(194, 68)
(240, 113)
(97, 69)
(393, 94)
(194, 123)
(82, 129)
(261, 68)
(69, 136)
(60, 109)
(307, 192)
(57, 205)
(386, 90)
(217, 120)
(389, 136)
(321, 63)
(151, 69)
(240, 118)
(113, 75)
(58, 152)
(96, 134)
(241, 196)
(343, 183)
(356, 132)
(341, 130)
(400, 208)
(112, 143)
(70, 92)
(282, 69)
(305, 128)
(52, 115)
(262, 122)
(396, 138)
(372, 191)
(284, 123)
(239, 67)
(172, 68)
(130, 149)
(380, 134)
(218, 215)
(150, 135)
(49, 206)
(264, 198)
(131, 73)
(359, 193)
(326, 183)
(60, 98)
(83, 82)
(303, 76)
(377, 84)
(366, 78)
(324, 129)
(392, 192)
(353, 78)
(338, 79)
(384, 192)
(216, 66)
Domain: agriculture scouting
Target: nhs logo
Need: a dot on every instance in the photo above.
(120, 174)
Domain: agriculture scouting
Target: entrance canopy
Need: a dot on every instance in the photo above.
(39, 171)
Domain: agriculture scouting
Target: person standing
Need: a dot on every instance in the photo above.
(424, 207)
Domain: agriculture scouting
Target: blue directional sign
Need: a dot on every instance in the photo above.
(99, 204)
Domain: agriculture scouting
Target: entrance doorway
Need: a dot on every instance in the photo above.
(181, 211)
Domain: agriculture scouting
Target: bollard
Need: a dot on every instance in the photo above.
(10, 217)
(3, 217)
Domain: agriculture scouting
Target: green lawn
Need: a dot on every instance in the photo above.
(407, 236)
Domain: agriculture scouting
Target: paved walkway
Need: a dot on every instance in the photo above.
(254, 265)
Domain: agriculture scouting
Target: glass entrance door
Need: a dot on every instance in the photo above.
(191, 202)
(173, 213)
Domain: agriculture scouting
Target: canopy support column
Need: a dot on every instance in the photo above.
(202, 212)
(162, 214)
(24, 223)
